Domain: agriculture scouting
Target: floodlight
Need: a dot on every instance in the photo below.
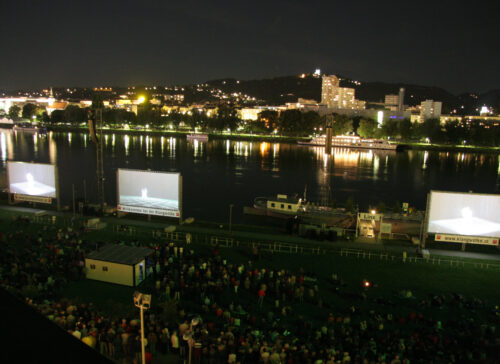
(146, 300)
(137, 298)
(195, 321)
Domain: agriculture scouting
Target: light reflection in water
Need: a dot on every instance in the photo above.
(3, 146)
(171, 143)
(52, 149)
(69, 138)
(196, 145)
(276, 150)
(376, 165)
(35, 144)
(264, 148)
(228, 144)
(426, 155)
(162, 141)
(126, 142)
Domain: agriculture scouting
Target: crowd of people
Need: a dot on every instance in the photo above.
(213, 310)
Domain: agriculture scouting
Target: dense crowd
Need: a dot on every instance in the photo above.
(248, 314)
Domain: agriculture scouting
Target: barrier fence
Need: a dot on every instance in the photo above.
(289, 248)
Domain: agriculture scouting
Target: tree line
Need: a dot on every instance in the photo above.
(289, 122)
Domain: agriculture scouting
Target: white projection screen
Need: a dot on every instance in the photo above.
(32, 181)
(150, 193)
(469, 214)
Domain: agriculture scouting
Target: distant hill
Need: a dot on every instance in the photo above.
(279, 90)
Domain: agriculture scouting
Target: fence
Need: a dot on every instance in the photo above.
(289, 248)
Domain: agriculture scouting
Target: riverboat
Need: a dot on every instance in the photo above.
(351, 141)
(30, 129)
(286, 207)
(198, 136)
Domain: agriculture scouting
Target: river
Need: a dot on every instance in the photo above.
(222, 172)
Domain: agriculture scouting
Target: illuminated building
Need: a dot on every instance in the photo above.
(336, 97)
(391, 102)
(430, 109)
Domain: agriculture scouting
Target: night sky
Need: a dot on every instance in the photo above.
(97, 43)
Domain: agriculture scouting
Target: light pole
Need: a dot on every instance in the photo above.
(230, 218)
(143, 301)
(188, 336)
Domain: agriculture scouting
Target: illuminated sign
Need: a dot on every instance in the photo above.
(369, 216)
(466, 239)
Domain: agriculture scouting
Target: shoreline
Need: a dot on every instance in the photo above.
(280, 139)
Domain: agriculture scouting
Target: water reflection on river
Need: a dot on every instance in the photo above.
(222, 172)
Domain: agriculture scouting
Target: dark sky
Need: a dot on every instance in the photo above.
(107, 42)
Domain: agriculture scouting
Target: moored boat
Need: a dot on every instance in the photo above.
(197, 136)
(30, 129)
(351, 141)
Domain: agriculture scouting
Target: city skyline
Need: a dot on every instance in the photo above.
(123, 43)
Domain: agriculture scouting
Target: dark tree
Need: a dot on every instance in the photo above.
(367, 128)
(57, 116)
(29, 111)
(74, 114)
(14, 111)
(405, 129)
(269, 118)
(310, 121)
(342, 124)
(389, 128)
(290, 121)
(431, 128)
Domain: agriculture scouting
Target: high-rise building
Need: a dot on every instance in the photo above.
(430, 109)
(334, 96)
(329, 88)
(401, 99)
(391, 102)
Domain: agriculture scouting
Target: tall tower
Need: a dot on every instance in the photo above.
(401, 101)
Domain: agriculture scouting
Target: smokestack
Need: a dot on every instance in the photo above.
(401, 99)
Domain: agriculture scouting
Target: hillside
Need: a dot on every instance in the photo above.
(279, 90)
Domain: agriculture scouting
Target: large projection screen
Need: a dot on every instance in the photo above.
(468, 214)
(32, 181)
(150, 193)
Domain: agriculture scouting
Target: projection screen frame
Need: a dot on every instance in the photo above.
(144, 213)
(15, 197)
(428, 220)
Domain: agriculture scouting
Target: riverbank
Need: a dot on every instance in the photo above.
(272, 138)
(448, 147)
(183, 134)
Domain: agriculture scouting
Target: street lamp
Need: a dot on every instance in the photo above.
(188, 335)
(143, 301)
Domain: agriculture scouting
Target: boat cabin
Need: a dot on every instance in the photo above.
(283, 203)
